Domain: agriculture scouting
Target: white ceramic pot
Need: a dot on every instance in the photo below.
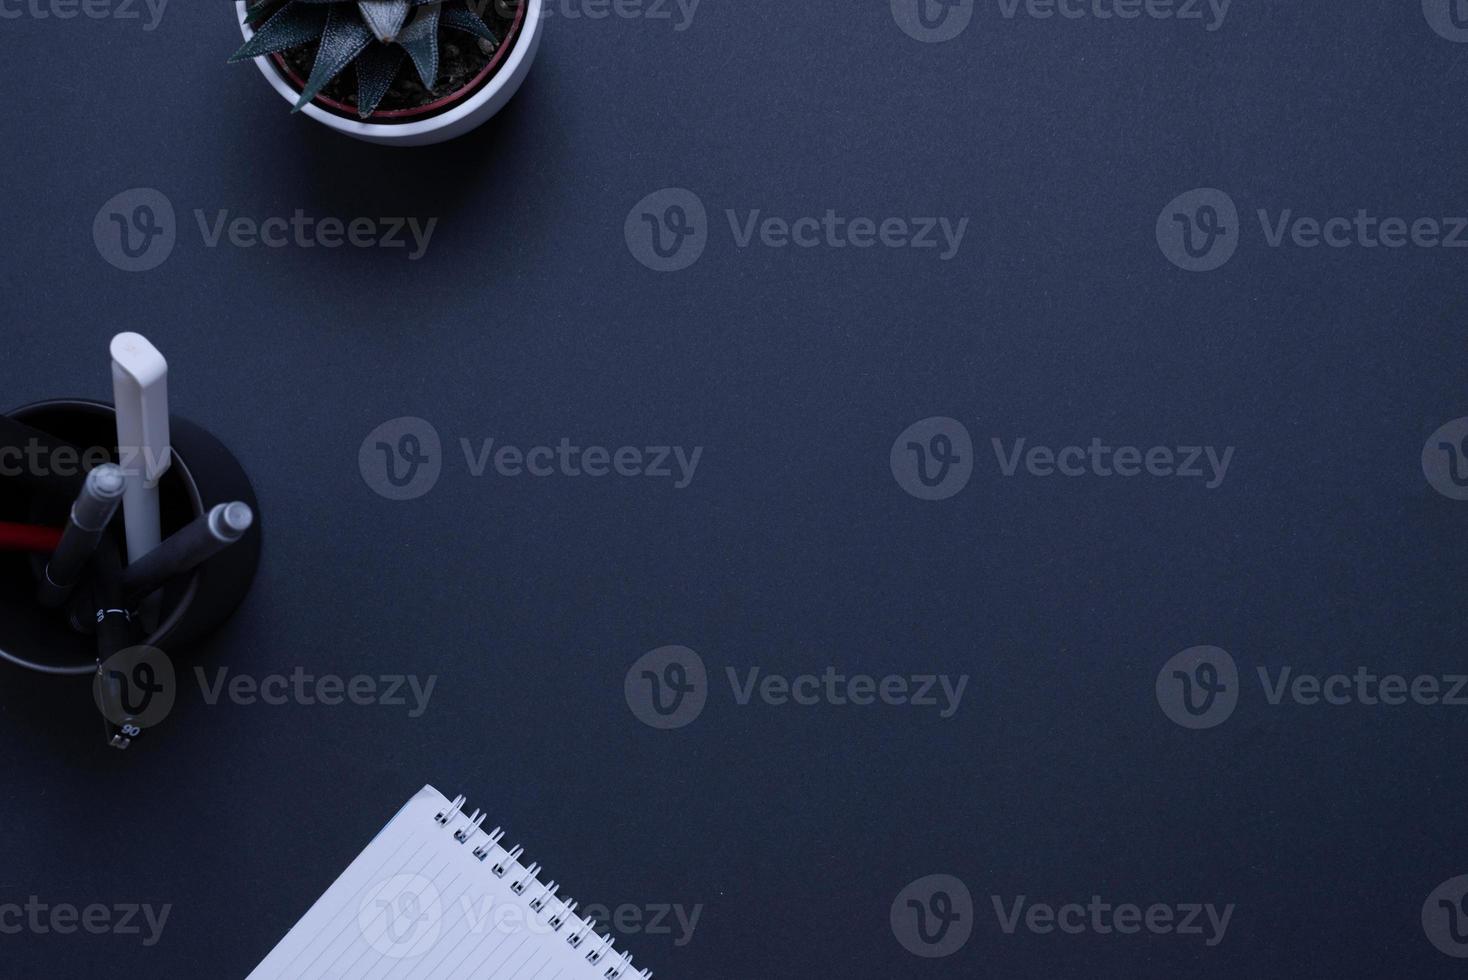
(457, 120)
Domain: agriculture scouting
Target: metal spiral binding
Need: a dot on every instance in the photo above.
(518, 887)
(536, 904)
(462, 834)
(526, 880)
(602, 949)
(559, 919)
(444, 816)
(511, 856)
(495, 836)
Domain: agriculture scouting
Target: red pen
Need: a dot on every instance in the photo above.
(28, 537)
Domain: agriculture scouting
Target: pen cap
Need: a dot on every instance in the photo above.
(203, 474)
(101, 493)
(140, 392)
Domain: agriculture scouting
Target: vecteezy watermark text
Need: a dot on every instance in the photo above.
(678, 13)
(35, 458)
(668, 688)
(668, 230)
(1200, 230)
(302, 230)
(1097, 458)
(1200, 688)
(148, 12)
(307, 689)
(935, 21)
(626, 919)
(64, 919)
(568, 459)
(403, 458)
(934, 459)
(935, 916)
(833, 687)
(836, 231)
(137, 231)
(138, 686)
(1102, 918)
(403, 916)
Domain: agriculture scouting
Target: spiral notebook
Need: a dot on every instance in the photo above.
(436, 897)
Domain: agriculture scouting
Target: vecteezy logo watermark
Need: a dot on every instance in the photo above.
(401, 459)
(136, 231)
(667, 231)
(669, 687)
(1445, 460)
(90, 9)
(933, 459)
(1449, 18)
(1445, 917)
(933, 917)
(933, 21)
(401, 917)
(1101, 918)
(1199, 688)
(64, 919)
(1200, 230)
(135, 688)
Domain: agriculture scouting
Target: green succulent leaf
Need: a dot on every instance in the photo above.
(420, 40)
(464, 19)
(294, 25)
(376, 69)
(261, 11)
(344, 39)
(376, 35)
(385, 17)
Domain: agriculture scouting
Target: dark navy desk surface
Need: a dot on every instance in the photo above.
(528, 320)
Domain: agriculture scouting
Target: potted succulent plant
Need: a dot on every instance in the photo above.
(400, 72)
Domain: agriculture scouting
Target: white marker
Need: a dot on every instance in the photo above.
(140, 391)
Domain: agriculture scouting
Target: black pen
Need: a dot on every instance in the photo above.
(116, 631)
(186, 550)
(90, 514)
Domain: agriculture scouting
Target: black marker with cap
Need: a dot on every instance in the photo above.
(187, 550)
(93, 511)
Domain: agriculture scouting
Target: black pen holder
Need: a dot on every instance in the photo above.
(204, 473)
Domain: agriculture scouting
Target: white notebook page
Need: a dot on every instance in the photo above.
(418, 904)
